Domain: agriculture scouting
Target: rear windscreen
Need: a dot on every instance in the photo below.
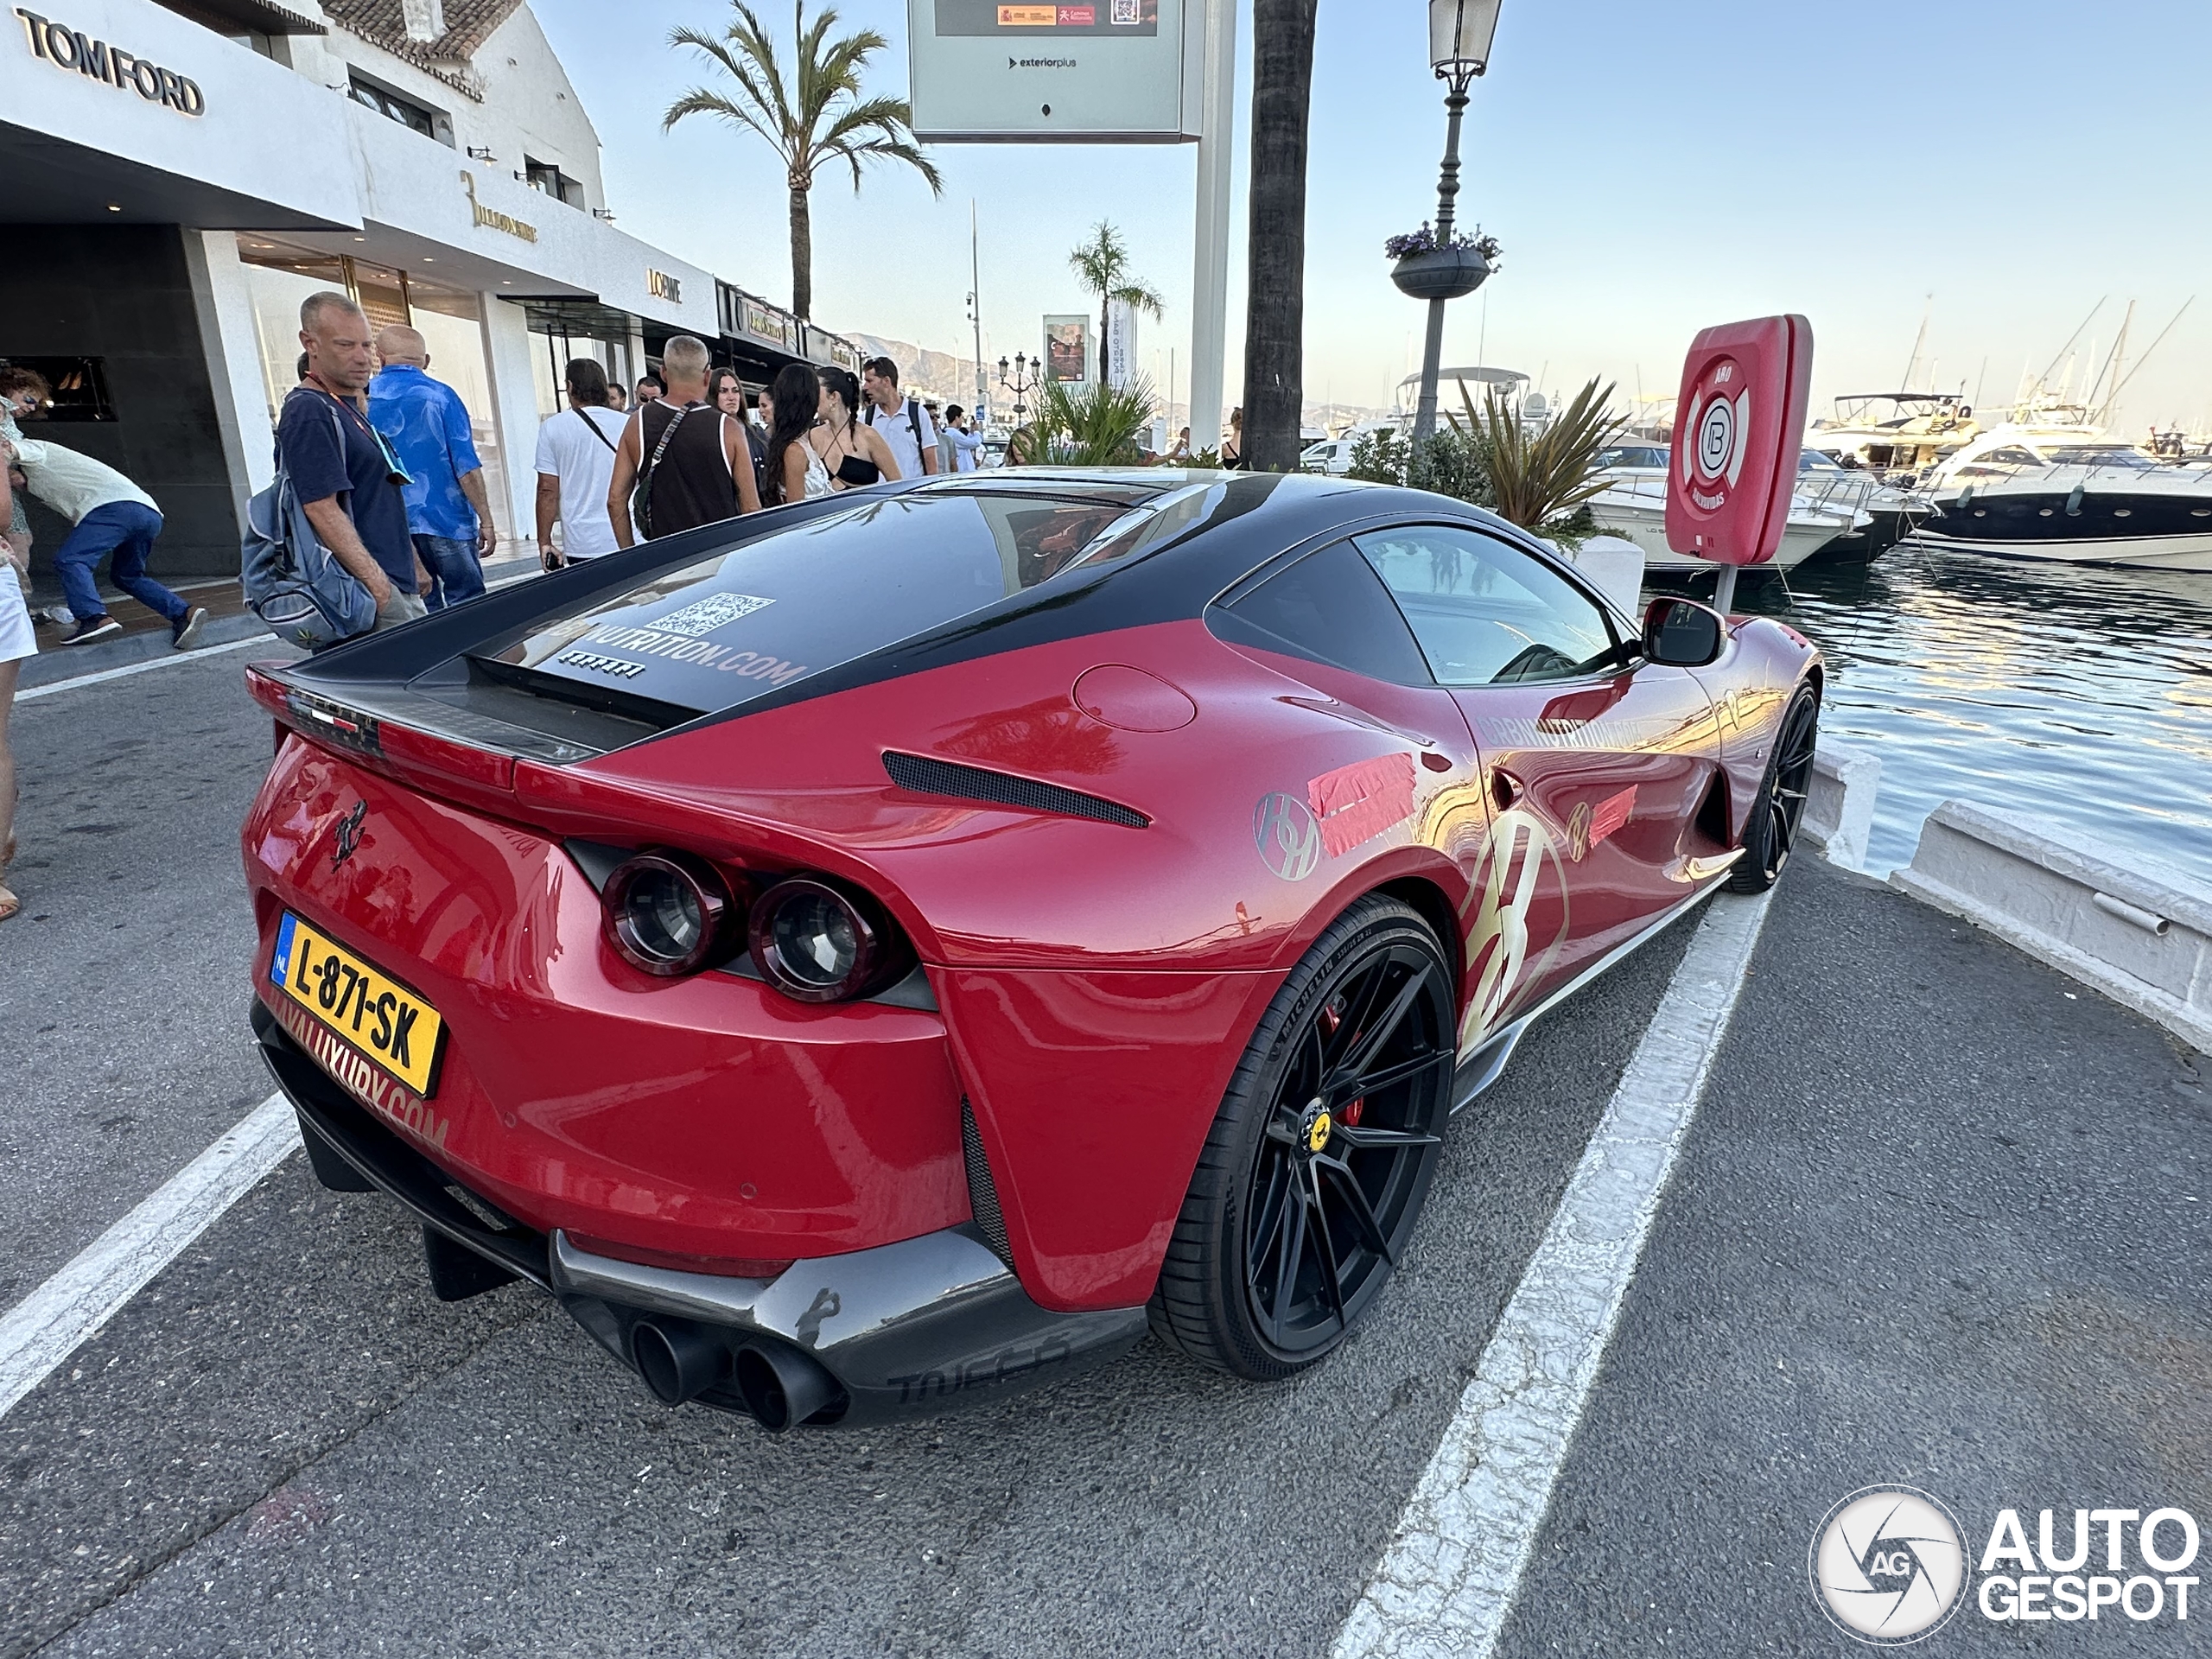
(732, 628)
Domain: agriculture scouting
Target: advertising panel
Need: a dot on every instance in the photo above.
(1121, 343)
(1736, 439)
(1110, 71)
(1067, 350)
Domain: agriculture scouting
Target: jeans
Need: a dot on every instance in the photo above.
(127, 528)
(456, 573)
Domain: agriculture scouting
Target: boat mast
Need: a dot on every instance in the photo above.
(1919, 339)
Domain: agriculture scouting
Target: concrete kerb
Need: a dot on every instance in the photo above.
(2141, 933)
(1840, 807)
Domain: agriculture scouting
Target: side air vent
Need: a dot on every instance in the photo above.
(927, 777)
(982, 1191)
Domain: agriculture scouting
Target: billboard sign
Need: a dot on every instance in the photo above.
(1067, 350)
(1101, 71)
(1736, 439)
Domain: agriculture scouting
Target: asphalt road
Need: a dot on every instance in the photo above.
(1929, 1226)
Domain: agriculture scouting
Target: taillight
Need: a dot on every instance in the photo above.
(817, 941)
(670, 913)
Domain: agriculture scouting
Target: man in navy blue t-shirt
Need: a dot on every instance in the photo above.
(346, 478)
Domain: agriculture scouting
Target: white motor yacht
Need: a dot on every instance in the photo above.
(1634, 505)
(2071, 495)
(1893, 432)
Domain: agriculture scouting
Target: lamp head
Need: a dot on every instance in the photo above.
(1459, 35)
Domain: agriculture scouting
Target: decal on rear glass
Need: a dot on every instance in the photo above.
(702, 616)
(1358, 801)
(1289, 840)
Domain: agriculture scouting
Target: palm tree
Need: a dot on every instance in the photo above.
(815, 116)
(1275, 313)
(1102, 266)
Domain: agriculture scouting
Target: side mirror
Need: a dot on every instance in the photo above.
(1680, 634)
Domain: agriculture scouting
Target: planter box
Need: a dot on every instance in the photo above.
(1446, 274)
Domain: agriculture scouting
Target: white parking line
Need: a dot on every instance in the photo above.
(1445, 1585)
(175, 659)
(51, 1323)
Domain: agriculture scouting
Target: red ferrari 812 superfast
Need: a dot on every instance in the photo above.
(903, 945)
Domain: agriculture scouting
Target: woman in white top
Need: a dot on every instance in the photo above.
(794, 472)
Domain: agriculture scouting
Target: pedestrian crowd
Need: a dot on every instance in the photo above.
(375, 456)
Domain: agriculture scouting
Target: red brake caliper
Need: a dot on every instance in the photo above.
(1330, 1021)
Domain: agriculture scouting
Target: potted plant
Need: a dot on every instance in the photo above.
(1428, 268)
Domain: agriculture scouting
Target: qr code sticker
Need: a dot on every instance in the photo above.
(1125, 11)
(701, 617)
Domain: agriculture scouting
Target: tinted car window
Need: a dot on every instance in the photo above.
(1329, 607)
(1486, 613)
(723, 630)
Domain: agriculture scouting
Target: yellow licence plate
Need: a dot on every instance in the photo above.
(386, 1021)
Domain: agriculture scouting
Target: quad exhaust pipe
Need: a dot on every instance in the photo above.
(680, 1360)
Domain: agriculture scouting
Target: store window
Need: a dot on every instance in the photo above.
(551, 355)
(280, 275)
(418, 118)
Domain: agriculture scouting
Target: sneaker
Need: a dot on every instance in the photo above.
(184, 633)
(59, 615)
(92, 628)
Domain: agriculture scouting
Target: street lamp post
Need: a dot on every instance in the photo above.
(1023, 381)
(1459, 35)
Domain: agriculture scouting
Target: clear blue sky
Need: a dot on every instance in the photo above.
(1649, 168)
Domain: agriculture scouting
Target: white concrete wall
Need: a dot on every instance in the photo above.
(2138, 932)
(234, 358)
(1840, 807)
(529, 98)
(509, 344)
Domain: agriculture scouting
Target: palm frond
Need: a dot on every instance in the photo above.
(1536, 480)
(1097, 426)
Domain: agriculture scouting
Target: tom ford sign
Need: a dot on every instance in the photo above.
(68, 48)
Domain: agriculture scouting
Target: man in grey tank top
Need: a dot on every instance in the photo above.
(688, 462)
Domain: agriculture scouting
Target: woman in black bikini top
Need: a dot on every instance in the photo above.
(856, 455)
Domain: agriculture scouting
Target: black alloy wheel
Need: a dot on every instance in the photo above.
(1320, 1156)
(1771, 829)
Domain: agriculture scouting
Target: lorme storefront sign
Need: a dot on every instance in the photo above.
(68, 48)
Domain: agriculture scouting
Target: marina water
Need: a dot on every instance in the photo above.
(2079, 697)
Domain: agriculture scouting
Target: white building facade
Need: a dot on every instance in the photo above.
(177, 176)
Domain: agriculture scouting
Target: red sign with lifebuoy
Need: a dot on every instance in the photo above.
(1739, 425)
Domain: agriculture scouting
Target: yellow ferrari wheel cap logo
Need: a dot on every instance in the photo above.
(1317, 1133)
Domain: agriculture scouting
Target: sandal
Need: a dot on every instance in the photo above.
(8, 903)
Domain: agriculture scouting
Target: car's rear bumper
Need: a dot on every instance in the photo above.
(902, 1328)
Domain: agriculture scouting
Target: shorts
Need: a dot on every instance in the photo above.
(17, 640)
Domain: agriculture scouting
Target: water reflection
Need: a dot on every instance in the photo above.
(2077, 695)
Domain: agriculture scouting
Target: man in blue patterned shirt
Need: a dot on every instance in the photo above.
(448, 514)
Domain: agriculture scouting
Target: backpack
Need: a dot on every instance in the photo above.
(292, 581)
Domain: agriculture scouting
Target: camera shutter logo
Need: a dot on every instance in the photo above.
(1888, 1565)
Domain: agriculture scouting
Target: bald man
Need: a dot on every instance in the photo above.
(448, 512)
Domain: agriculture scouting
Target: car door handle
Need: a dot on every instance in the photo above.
(1504, 788)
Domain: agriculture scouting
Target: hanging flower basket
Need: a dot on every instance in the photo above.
(1427, 269)
(1444, 274)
